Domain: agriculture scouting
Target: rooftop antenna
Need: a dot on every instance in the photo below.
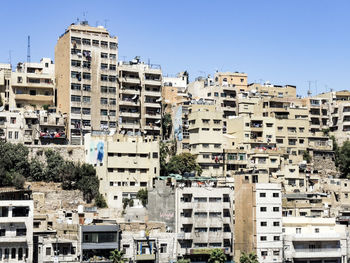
(316, 86)
(28, 50)
(106, 20)
(309, 91)
(10, 60)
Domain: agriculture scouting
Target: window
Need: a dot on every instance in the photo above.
(276, 252)
(104, 55)
(298, 230)
(48, 251)
(317, 230)
(262, 194)
(2, 232)
(112, 102)
(276, 209)
(163, 248)
(10, 135)
(276, 238)
(104, 112)
(263, 238)
(263, 253)
(104, 101)
(112, 90)
(75, 86)
(75, 98)
(112, 113)
(20, 253)
(86, 75)
(155, 155)
(263, 209)
(275, 194)
(104, 78)
(16, 135)
(264, 223)
(86, 99)
(104, 89)
(86, 111)
(276, 223)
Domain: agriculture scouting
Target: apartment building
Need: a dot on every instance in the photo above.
(269, 90)
(140, 97)
(204, 218)
(258, 220)
(124, 164)
(86, 79)
(98, 240)
(33, 85)
(33, 127)
(314, 239)
(5, 80)
(16, 225)
(206, 139)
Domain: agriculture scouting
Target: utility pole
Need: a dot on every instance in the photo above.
(28, 50)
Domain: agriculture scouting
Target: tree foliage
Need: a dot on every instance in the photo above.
(117, 256)
(182, 163)
(142, 195)
(183, 260)
(217, 256)
(344, 159)
(100, 201)
(248, 258)
(16, 167)
(166, 126)
(307, 156)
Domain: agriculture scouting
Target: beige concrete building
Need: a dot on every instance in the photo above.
(204, 218)
(124, 164)
(140, 101)
(258, 220)
(206, 139)
(86, 79)
(33, 127)
(5, 80)
(16, 225)
(314, 239)
(269, 90)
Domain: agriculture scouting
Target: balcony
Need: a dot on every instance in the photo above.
(317, 253)
(152, 104)
(35, 98)
(129, 91)
(152, 127)
(153, 93)
(153, 115)
(129, 80)
(129, 114)
(146, 257)
(129, 103)
(153, 82)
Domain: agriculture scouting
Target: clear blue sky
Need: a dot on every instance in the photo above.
(285, 42)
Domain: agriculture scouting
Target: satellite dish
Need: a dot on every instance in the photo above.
(2, 108)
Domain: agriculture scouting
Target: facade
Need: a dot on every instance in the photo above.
(204, 218)
(16, 226)
(124, 164)
(140, 101)
(314, 239)
(258, 228)
(33, 127)
(86, 79)
(98, 240)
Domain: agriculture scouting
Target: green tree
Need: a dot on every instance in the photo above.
(142, 195)
(183, 260)
(36, 170)
(55, 166)
(217, 256)
(89, 183)
(307, 156)
(167, 126)
(100, 201)
(344, 160)
(336, 150)
(182, 163)
(18, 180)
(13, 159)
(117, 256)
(248, 258)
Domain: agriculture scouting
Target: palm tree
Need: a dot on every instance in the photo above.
(248, 258)
(117, 256)
(217, 256)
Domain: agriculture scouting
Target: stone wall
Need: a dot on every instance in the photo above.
(73, 153)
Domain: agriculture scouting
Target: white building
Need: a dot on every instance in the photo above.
(268, 222)
(204, 218)
(314, 240)
(16, 226)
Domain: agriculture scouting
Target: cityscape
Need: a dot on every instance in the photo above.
(111, 160)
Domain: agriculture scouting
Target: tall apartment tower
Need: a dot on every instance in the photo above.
(86, 75)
